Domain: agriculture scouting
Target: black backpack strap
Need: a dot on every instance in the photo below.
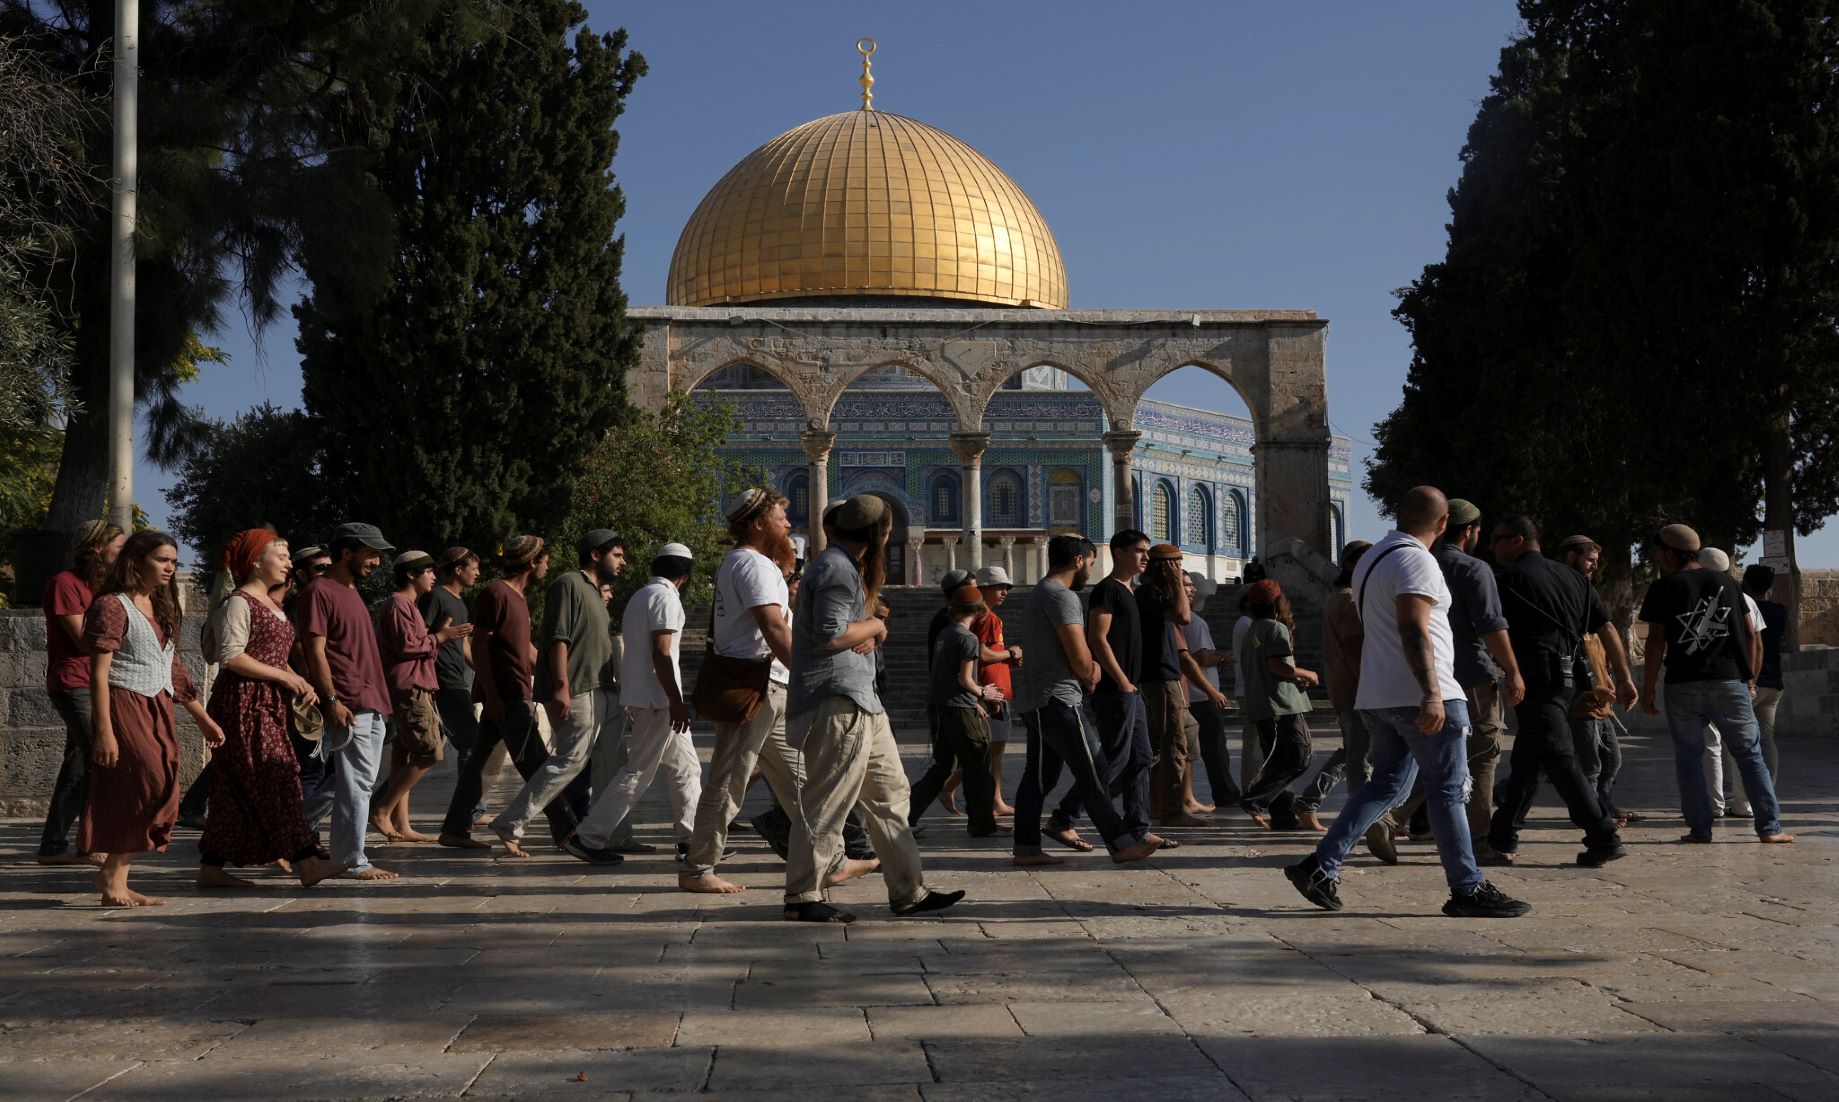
(1360, 606)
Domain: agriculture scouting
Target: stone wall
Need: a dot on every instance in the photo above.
(32, 735)
(1820, 607)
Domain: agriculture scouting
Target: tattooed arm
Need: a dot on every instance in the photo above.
(1414, 633)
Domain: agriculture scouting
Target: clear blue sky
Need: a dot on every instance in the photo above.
(1185, 155)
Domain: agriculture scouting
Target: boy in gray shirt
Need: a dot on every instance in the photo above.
(960, 725)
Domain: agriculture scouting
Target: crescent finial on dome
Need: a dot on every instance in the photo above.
(866, 47)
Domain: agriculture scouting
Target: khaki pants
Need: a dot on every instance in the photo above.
(1167, 705)
(653, 748)
(731, 763)
(851, 758)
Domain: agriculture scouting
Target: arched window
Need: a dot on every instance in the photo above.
(1337, 529)
(1065, 500)
(1232, 522)
(1003, 506)
(798, 490)
(1136, 501)
(1196, 523)
(1162, 513)
(942, 498)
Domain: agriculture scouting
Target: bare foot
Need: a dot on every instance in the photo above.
(412, 835)
(144, 900)
(371, 873)
(1307, 820)
(1184, 820)
(461, 841)
(512, 848)
(1135, 852)
(284, 865)
(1775, 839)
(213, 876)
(1263, 821)
(314, 869)
(849, 870)
(1032, 860)
(113, 895)
(388, 830)
(950, 806)
(1004, 811)
(707, 883)
(1198, 808)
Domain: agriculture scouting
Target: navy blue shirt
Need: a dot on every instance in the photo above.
(1474, 611)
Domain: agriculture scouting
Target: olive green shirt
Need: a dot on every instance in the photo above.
(573, 613)
(1266, 694)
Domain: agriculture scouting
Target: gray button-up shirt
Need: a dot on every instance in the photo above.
(1475, 611)
(829, 599)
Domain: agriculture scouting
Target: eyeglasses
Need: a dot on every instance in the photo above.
(319, 568)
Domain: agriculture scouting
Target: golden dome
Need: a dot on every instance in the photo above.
(866, 203)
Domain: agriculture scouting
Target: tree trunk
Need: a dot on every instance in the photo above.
(1778, 513)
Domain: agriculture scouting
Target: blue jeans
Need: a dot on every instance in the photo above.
(1399, 750)
(356, 776)
(1690, 705)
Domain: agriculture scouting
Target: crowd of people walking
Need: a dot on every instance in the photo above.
(1426, 648)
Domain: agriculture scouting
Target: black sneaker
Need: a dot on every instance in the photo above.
(1596, 858)
(1486, 901)
(932, 901)
(573, 847)
(1315, 885)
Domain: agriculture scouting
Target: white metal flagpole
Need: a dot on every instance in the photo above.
(121, 264)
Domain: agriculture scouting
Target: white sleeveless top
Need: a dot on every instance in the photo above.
(142, 665)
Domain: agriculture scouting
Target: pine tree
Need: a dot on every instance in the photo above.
(460, 404)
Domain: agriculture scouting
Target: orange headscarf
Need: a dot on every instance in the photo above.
(240, 556)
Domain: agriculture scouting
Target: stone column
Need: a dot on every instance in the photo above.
(951, 551)
(1290, 458)
(1008, 546)
(817, 448)
(970, 447)
(1040, 557)
(1122, 443)
(916, 546)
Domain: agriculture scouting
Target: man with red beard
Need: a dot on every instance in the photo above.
(752, 622)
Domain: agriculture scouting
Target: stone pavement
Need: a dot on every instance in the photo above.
(1679, 973)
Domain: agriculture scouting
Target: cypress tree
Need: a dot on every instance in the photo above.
(458, 404)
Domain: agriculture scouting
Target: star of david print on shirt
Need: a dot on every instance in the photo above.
(1705, 626)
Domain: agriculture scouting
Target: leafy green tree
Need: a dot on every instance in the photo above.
(657, 479)
(236, 184)
(459, 405)
(266, 467)
(1638, 302)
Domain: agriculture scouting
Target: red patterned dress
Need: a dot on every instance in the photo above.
(256, 815)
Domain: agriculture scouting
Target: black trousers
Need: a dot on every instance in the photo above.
(1543, 745)
(70, 795)
(1214, 754)
(960, 740)
(1123, 757)
(1288, 738)
(519, 734)
(1060, 734)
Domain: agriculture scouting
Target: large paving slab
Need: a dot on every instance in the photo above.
(1680, 973)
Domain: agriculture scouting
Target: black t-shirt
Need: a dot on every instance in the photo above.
(1161, 645)
(939, 620)
(1706, 625)
(1125, 635)
(954, 647)
(1549, 607)
(439, 608)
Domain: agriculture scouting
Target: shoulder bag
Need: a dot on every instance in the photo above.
(728, 690)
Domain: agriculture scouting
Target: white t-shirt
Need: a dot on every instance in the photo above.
(1239, 627)
(1386, 680)
(747, 580)
(655, 607)
(1200, 638)
(1755, 613)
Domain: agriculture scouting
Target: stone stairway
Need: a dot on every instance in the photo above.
(911, 609)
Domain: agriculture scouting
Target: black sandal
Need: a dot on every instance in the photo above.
(817, 911)
(1074, 843)
(931, 901)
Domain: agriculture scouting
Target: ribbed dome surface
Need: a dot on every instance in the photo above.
(866, 203)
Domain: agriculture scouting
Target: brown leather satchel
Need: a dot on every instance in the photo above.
(729, 690)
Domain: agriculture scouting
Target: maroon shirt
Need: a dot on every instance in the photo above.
(333, 610)
(503, 611)
(67, 666)
(408, 649)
